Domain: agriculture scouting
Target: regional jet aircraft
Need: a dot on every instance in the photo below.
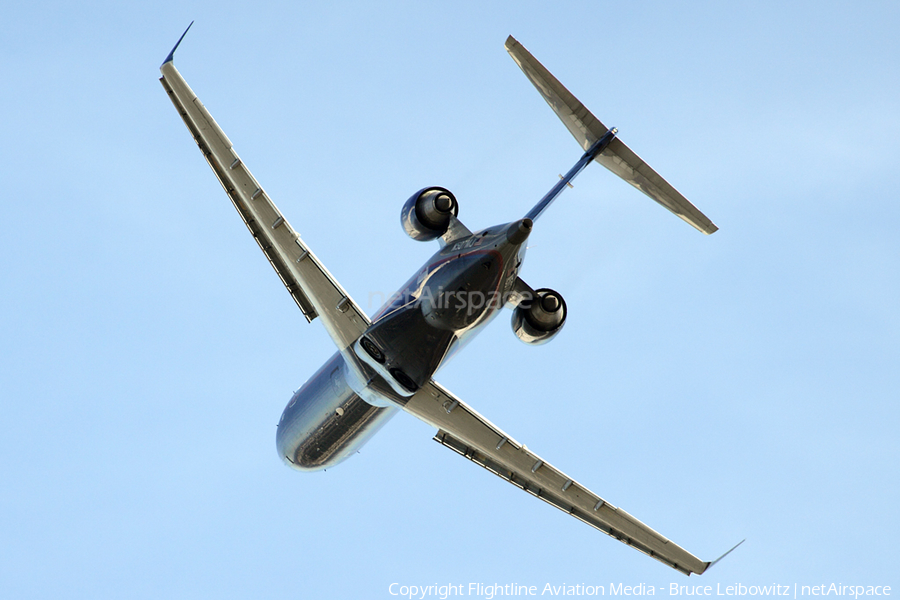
(386, 363)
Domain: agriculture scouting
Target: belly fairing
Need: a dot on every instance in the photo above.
(325, 421)
(450, 299)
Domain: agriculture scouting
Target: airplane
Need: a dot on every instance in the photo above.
(386, 363)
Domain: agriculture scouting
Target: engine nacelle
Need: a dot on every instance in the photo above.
(426, 215)
(537, 321)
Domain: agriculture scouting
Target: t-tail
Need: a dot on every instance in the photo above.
(600, 144)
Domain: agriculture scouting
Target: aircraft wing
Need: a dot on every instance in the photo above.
(310, 284)
(468, 433)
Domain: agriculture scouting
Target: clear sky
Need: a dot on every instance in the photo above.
(743, 385)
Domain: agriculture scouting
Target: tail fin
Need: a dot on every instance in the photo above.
(617, 157)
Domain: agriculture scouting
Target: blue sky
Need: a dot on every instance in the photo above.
(743, 385)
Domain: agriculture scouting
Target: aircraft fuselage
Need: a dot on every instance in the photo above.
(458, 291)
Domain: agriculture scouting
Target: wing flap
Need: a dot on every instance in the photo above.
(469, 434)
(310, 284)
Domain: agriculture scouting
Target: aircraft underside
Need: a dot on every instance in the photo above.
(387, 363)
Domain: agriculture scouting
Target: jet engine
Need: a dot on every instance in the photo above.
(537, 321)
(426, 215)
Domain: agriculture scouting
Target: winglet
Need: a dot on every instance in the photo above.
(724, 555)
(172, 53)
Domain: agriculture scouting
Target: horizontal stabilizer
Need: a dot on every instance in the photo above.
(617, 157)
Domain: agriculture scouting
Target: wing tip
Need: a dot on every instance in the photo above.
(171, 55)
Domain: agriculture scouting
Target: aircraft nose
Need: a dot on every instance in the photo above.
(519, 231)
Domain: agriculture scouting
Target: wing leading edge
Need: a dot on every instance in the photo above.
(313, 288)
(469, 434)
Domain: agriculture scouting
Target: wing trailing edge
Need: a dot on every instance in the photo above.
(309, 283)
(469, 434)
